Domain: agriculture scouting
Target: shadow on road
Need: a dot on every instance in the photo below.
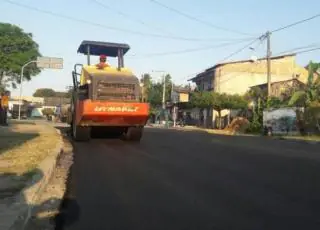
(96, 133)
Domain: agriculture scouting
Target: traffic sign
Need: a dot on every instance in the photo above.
(50, 62)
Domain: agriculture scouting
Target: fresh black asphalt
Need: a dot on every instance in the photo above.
(183, 180)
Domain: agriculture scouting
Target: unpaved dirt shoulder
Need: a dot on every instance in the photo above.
(46, 212)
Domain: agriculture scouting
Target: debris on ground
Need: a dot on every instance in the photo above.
(238, 125)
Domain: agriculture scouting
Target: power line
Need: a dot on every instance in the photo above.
(307, 51)
(304, 51)
(295, 23)
(298, 48)
(196, 19)
(128, 16)
(246, 70)
(241, 49)
(189, 50)
(267, 36)
(260, 38)
(104, 26)
(263, 37)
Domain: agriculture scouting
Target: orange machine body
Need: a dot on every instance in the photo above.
(104, 113)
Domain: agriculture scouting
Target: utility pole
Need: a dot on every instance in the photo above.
(268, 63)
(173, 102)
(142, 90)
(164, 92)
(164, 87)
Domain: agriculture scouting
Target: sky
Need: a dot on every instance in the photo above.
(191, 47)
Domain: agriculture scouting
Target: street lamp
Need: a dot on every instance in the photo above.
(21, 78)
(42, 62)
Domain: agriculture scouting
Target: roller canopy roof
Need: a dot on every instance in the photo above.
(107, 48)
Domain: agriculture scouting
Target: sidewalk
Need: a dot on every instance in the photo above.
(28, 151)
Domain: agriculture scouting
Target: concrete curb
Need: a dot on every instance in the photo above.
(311, 142)
(18, 214)
(188, 128)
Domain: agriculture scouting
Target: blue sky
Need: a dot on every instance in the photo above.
(60, 37)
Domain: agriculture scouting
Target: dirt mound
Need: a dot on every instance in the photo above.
(238, 125)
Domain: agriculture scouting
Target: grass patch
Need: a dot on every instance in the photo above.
(10, 140)
(24, 146)
(22, 122)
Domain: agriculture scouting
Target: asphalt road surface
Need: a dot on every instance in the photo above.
(193, 180)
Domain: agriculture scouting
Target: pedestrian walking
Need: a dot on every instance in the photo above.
(4, 107)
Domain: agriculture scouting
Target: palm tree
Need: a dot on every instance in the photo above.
(309, 98)
(311, 93)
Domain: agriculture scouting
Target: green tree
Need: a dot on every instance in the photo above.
(258, 99)
(274, 102)
(225, 101)
(146, 80)
(155, 94)
(61, 94)
(154, 90)
(16, 48)
(255, 94)
(217, 101)
(44, 92)
(47, 92)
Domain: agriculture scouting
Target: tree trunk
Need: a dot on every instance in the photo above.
(220, 122)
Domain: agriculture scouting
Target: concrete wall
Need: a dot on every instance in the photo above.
(179, 97)
(183, 97)
(240, 83)
(281, 120)
(211, 116)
